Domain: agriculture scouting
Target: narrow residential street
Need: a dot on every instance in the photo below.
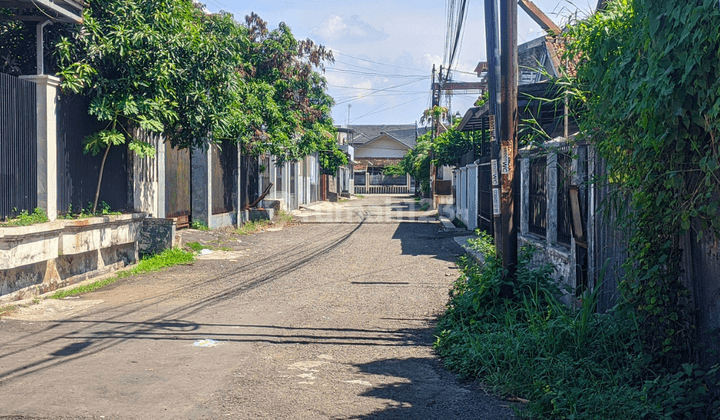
(328, 319)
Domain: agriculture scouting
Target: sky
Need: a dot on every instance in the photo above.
(385, 50)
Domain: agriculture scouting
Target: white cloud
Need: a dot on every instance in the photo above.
(350, 31)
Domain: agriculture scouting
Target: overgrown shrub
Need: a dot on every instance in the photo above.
(648, 97)
(519, 339)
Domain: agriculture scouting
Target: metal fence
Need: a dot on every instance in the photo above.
(224, 164)
(538, 196)
(77, 172)
(18, 146)
(485, 216)
(177, 182)
(382, 189)
(564, 178)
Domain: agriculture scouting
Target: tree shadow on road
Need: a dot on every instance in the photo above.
(424, 239)
(423, 389)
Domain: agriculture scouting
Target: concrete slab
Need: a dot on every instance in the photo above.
(477, 256)
(447, 225)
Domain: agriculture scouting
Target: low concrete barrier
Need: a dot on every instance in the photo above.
(40, 258)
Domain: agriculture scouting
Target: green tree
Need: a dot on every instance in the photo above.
(167, 67)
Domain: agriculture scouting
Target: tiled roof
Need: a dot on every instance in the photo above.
(404, 133)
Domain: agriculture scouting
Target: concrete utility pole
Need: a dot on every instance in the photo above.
(509, 172)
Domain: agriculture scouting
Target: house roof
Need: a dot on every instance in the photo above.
(60, 10)
(404, 133)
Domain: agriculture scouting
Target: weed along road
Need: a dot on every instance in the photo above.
(330, 318)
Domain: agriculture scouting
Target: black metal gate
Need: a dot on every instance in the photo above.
(177, 182)
(18, 145)
(485, 214)
(77, 172)
(224, 171)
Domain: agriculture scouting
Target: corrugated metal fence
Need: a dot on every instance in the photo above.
(18, 145)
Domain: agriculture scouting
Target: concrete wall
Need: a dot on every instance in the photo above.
(41, 258)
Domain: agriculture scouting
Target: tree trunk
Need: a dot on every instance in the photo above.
(100, 177)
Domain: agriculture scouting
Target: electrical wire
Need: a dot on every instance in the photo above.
(379, 90)
(388, 75)
(387, 109)
(376, 62)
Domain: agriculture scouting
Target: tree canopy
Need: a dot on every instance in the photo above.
(167, 66)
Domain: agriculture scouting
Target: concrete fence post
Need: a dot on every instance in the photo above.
(472, 197)
(201, 185)
(47, 96)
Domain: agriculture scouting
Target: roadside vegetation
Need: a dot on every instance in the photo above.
(520, 340)
(253, 226)
(7, 309)
(26, 219)
(167, 258)
(646, 96)
(170, 68)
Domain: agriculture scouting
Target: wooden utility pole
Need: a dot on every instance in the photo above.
(494, 102)
(435, 102)
(509, 171)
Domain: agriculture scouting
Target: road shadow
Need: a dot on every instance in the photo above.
(424, 239)
(425, 390)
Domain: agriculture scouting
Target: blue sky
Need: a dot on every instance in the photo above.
(385, 50)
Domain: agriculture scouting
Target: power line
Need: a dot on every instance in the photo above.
(376, 62)
(362, 88)
(380, 90)
(387, 109)
(365, 73)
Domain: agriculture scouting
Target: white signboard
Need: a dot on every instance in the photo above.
(491, 127)
(496, 201)
(504, 160)
(494, 172)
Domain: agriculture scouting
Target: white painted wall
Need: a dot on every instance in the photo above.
(383, 148)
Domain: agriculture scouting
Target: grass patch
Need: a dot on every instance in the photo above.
(425, 207)
(519, 339)
(284, 217)
(359, 196)
(417, 199)
(167, 258)
(253, 226)
(7, 310)
(26, 219)
(103, 210)
(196, 224)
(196, 246)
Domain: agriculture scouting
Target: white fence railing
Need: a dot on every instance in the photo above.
(382, 189)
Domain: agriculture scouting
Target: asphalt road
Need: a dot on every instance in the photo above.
(329, 319)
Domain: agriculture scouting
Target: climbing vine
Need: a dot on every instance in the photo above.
(649, 90)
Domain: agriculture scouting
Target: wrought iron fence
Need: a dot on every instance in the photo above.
(538, 196)
(485, 216)
(18, 146)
